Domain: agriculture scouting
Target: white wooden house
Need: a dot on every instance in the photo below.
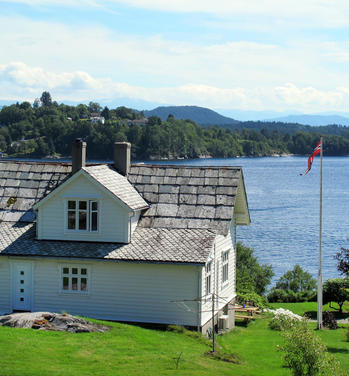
(136, 243)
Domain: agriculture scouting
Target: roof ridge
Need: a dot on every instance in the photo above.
(183, 166)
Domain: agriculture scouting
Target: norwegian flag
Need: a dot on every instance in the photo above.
(317, 150)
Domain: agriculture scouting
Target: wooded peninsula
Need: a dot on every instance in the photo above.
(46, 129)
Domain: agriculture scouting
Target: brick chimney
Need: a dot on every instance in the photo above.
(122, 157)
(78, 155)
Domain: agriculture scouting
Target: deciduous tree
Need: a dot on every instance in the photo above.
(46, 99)
(295, 285)
(336, 290)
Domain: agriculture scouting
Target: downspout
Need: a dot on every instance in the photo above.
(199, 298)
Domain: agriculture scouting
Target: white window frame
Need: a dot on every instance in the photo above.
(225, 268)
(88, 210)
(70, 275)
(208, 277)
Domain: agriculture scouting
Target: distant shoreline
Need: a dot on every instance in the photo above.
(161, 160)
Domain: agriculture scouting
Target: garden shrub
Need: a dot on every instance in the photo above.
(283, 320)
(328, 320)
(306, 354)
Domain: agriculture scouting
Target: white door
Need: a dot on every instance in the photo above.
(22, 286)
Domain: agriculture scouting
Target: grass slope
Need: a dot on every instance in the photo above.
(131, 350)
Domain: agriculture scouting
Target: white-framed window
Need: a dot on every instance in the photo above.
(208, 277)
(82, 215)
(225, 267)
(75, 279)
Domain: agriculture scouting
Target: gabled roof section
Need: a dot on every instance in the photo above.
(189, 197)
(148, 245)
(109, 180)
(118, 185)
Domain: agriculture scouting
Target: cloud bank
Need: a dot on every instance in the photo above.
(18, 78)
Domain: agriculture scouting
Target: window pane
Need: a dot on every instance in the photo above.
(75, 270)
(83, 271)
(65, 283)
(82, 205)
(74, 284)
(65, 270)
(82, 221)
(94, 205)
(225, 272)
(208, 284)
(71, 204)
(71, 220)
(94, 221)
(83, 284)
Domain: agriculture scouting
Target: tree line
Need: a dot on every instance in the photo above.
(46, 128)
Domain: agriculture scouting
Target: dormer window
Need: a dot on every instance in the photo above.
(82, 215)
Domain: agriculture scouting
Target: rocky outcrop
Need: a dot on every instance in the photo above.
(51, 321)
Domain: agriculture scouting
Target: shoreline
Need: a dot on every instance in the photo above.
(162, 160)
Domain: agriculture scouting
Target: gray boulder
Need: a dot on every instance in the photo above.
(51, 321)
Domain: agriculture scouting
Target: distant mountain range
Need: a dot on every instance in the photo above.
(200, 115)
(315, 120)
(205, 116)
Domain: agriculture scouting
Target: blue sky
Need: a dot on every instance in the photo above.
(252, 55)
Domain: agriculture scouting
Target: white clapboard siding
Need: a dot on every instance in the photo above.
(134, 221)
(113, 219)
(122, 291)
(225, 292)
(5, 286)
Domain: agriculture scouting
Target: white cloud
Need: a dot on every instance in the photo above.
(154, 60)
(85, 63)
(17, 78)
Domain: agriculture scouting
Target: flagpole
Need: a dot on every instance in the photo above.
(319, 281)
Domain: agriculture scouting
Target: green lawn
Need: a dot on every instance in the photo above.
(131, 350)
(310, 308)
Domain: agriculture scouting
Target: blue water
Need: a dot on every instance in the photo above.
(284, 209)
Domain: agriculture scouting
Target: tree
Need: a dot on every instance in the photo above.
(106, 113)
(250, 275)
(36, 103)
(94, 107)
(336, 290)
(343, 261)
(46, 99)
(154, 120)
(295, 285)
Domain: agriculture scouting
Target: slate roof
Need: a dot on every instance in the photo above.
(148, 245)
(187, 197)
(179, 196)
(22, 184)
(118, 185)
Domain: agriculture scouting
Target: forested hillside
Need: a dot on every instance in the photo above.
(201, 115)
(47, 128)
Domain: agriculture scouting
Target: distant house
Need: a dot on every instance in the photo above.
(97, 118)
(136, 243)
(143, 121)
